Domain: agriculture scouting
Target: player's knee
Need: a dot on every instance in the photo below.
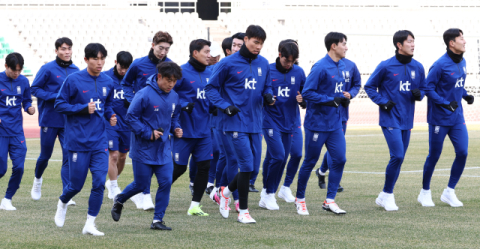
(203, 166)
(397, 158)
(122, 156)
(114, 156)
(462, 153)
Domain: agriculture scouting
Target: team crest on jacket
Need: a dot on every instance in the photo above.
(104, 91)
(45, 129)
(293, 80)
(173, 109)
(259, 71)
(208, 79)
(413, 74)
(346, 76)
(235, 134)
(19, 90)
(74, 157)
(465, 70)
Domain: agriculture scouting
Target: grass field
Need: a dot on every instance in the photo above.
(364, 226)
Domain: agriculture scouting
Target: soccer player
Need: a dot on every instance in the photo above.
(85, 98)
(135, 79)
(279, 121)
(237, 41)
(445, 88)
(197, 139)
(323, 92)
(154, 112)
(353, 82)
(119, 135)
(45, 87)
(239, 86)
(15, 94)
(394, 87)
(227, 46)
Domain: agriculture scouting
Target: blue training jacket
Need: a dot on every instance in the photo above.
(14, 94)
(324, 83)
(445, 83)
(191, 89)
(136, 77)
(353, 82)
(118, 104)
(83, 131)
(394, 82)
(151, 109)
(283, 115)
(241, 82)
(45, 87)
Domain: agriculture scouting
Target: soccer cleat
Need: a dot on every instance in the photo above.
(197, 210)
(286, 194)
(61, 213)
(269, 202)
(301, 207)
(321, 179)
(340, 188)
(223, 207)
(191, 188)
(425, 198)
(147, 202)
(36, 192)
(92, 230)
(252, 188)
(332, 207)
(159, 226)
(7, 205)
(209, 190)
(237, 206)
(245, 218)
(109, 190)
(71, 203)
(138, 200)
(386, 201)
(215, 198)
(449, 197)
(116, 209)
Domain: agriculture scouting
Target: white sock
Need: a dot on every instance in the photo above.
(209, 184)
(450, 189)
(330, 200)
(243, 211)
(91, 219)
(64, 205)
(194, 204)
(300, 199)
(227, 192)
(113, 183)
(426, 191)
(321, 173)
(236, 201)
(38, 179)
(155, 221)
(191, 184)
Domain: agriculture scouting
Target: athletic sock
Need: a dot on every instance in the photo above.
(321, 173)
(227, 192)
(91, 219)
(243, 211)
(113, 183)
(194, 204)
(155, 221)
(209, 184)
(300, 199)
(330, 200)
(450, 189)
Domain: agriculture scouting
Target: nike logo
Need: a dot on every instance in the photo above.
(145, 74)
(3, 89)
(191, 82)
(22, 141)
(239, 72)
(58, 76)
(452, 73)
(155, 106)
(86, 91)
(274, 79)
(395, 74)
(333, 76)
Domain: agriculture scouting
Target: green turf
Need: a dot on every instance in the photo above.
(364, 226)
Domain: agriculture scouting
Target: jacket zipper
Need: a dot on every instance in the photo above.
(405, 69)
(66, 73)
(11, 84)
(460, 72)
(96, 85)
(200, 76)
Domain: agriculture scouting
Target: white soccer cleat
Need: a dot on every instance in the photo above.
(7, 205)
(138, 200)
(270, 202)
(61, 213)
(223, 207)
(425, 198)
(263, 193)
(71, 203)
(450, 198)
(286, 194)
(245, 218)
(37, 189)
(91, 229)
(386, 201)
(332, 207)
(147, 202)
(301, 207)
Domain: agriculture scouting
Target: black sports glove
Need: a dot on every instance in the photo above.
(303, 104)
(189, 108)
(126, 104)
(469, 99)
(269, 98)
(215, 112)
(231, 110)
(451, 107)
(345, 102)
(160, 130)
(417, 95)
(388, 106)
(335, 102)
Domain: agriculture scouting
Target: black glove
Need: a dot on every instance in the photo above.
(335, 102)
(417, 95)
(215, 112)
(469, 99)
(303, 104)
(388, 106)
(160, 130)
(451, 107)
(231, 110)
(345, 102)
(269, 98)
(126, 104)
(189, 108)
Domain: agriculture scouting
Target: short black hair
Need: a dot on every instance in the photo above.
(451, 34)
(124, 58)
(64, 40)
(334, 37)
(169, 69)
(255, 31)
(288, 48)
(198, 44)
(227, 44)
(92, 49)
(401, 36)
(239, 36)
(14, 59)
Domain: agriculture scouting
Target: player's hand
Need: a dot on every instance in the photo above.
(417, 95)
(337, 101)
(113, 120)
(299, 97)
(189, 108)
(388, 106)
(269, 98)
(91, 108)
(179, 133)
(155, 135)
(347, 95)
(31, 110)
(451, 107)
(231, 110)
(469, 99)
